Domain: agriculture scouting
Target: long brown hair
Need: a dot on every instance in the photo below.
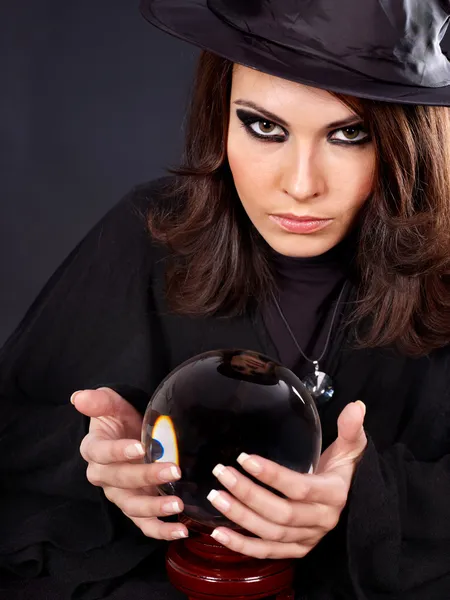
(219, 263)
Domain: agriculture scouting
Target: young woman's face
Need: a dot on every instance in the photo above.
(302, 172)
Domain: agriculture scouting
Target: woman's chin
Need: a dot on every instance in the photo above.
(302, 248)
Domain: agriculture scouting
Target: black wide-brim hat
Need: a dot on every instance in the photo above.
(388, 50)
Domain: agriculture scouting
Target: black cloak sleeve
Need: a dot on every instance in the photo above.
(398, 529)
(92, 324)
(398, 533)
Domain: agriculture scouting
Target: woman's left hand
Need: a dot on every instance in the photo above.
(291, 527)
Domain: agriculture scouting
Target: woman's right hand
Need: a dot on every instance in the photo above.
(114, 454)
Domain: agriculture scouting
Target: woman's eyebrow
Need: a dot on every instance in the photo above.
(351, 120)
(266, 113)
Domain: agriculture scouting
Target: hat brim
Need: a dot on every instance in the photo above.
(193, 22)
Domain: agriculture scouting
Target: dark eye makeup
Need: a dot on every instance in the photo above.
(249, 118)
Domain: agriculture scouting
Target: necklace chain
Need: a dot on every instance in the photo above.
(314, 362)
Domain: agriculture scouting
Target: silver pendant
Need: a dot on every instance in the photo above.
(319, 385)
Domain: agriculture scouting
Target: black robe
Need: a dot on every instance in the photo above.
(102, 319)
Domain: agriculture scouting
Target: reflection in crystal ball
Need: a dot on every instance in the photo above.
(219, 404)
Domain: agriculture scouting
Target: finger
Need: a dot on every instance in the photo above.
(252, 522)
(351, 435)
(105, 451)
(270, 506)
(341, 457)
(132, 476)
(103, 402)
(135, 503)
(327, 489)
(258, 548)
(158, 530)
(246, 518)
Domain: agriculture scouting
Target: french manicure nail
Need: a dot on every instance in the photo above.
(74, 395)
(170, 474)
(178, 534)
(219, 502)
(171, 508)
(134, 451)
(249, 464)
(221, 537)
(224, 475)
(363, 406)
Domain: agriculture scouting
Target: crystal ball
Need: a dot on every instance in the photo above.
(219, 404)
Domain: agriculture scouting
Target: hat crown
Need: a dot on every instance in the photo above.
(406, 34)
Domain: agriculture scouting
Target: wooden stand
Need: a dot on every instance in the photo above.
(205, 570)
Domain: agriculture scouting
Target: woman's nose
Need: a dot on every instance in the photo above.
(302, 176)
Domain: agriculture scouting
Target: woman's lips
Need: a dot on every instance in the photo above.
(295, 224)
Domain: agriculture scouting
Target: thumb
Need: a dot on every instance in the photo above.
(103, 402)
(351, 436)
(350, 443)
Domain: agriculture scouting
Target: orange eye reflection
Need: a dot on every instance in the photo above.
(164, 434)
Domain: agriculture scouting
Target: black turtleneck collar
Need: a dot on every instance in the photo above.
(330, 265)
(307, 289)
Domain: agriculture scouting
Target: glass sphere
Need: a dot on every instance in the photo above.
(219, 404)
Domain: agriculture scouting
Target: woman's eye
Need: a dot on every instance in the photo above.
(261, 128)
(266, 128)
(354, 133)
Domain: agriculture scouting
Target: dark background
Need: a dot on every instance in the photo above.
(92, 101)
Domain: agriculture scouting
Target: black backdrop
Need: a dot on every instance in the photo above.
(92, 101)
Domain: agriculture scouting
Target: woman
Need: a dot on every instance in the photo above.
(317, 233)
